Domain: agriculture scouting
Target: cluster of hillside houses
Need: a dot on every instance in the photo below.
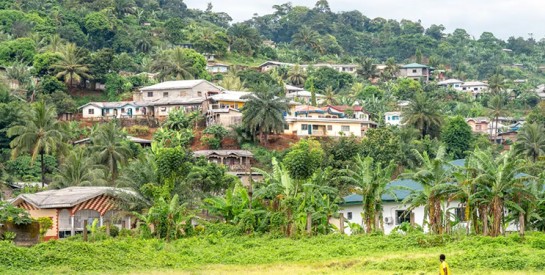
(224, 108)
(70, 207)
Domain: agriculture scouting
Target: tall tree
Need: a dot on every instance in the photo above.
(175, 64)
(71, 66)
(39, 134)
(111, 148)
(497, 109)
(367, 69)
(496, 83)
(297, 76)
(264, 112)
(78, 169)
(423, 114)
(531, 141)
(457, 136)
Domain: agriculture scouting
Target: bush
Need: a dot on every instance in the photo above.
(138, 130)
(211, 141)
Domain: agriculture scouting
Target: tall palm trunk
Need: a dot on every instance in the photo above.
(43, 167)
(467, 215)
(521, 224)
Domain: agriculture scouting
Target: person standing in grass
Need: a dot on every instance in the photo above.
(443, 268)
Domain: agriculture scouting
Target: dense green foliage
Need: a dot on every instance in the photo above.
(414, 253)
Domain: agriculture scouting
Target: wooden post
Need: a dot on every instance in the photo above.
(341, 223)
(108, 228)
(84, 230)
(309, 223)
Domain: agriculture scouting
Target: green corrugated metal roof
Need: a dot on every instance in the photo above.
(414, 65)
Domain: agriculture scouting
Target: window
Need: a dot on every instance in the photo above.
(150, 94)
(403, 216)
(314, 127)
(122, 110)
(345, 128)
(163, 109)
(91, 111)
(414, 71)
(389, 118)
(460, 214)
(478, 126)
(165, 94)
(395, 118)
(304, 127)
(329, 127)
(199, 93)
(137, 109)
(349, 215)
(106, 111)
(286, 126)
(475, 89)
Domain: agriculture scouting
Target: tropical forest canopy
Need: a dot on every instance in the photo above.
(128, 34)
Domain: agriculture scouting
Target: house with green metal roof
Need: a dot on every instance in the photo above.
(394, 211)
(416, 71)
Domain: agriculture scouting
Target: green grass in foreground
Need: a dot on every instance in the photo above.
(414, 254)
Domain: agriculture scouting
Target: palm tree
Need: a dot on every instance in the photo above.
(497, 108)
(78, 169)
(264, 112)
(367, 69)
(499, 183)
(496, 83)
(231, 82)
(174, 64)
(39, 134)
(423, 114)
(371, 179)
(329, 96)
(108, 143)
(297, 76)
(531, 141)
(391, 69)
(434, 172)
(70, 65)
(54, 44)
(123, 7)
(143, 42)
(307, 38)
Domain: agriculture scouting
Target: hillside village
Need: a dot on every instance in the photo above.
(139, 124)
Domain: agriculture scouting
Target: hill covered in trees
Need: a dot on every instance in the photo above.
(129, 35)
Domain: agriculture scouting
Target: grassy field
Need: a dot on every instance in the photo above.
(414, 254)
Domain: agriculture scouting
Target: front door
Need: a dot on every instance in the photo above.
(129, 112)
(310, 129)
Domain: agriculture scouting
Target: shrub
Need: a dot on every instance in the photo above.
(138, 130)
(46, 223)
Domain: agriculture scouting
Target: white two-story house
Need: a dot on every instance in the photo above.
(156, 100)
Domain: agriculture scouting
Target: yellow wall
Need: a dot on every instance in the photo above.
(336, 128)
(237, 105)
(52, 213)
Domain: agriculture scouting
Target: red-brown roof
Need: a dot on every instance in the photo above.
(343, 108)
